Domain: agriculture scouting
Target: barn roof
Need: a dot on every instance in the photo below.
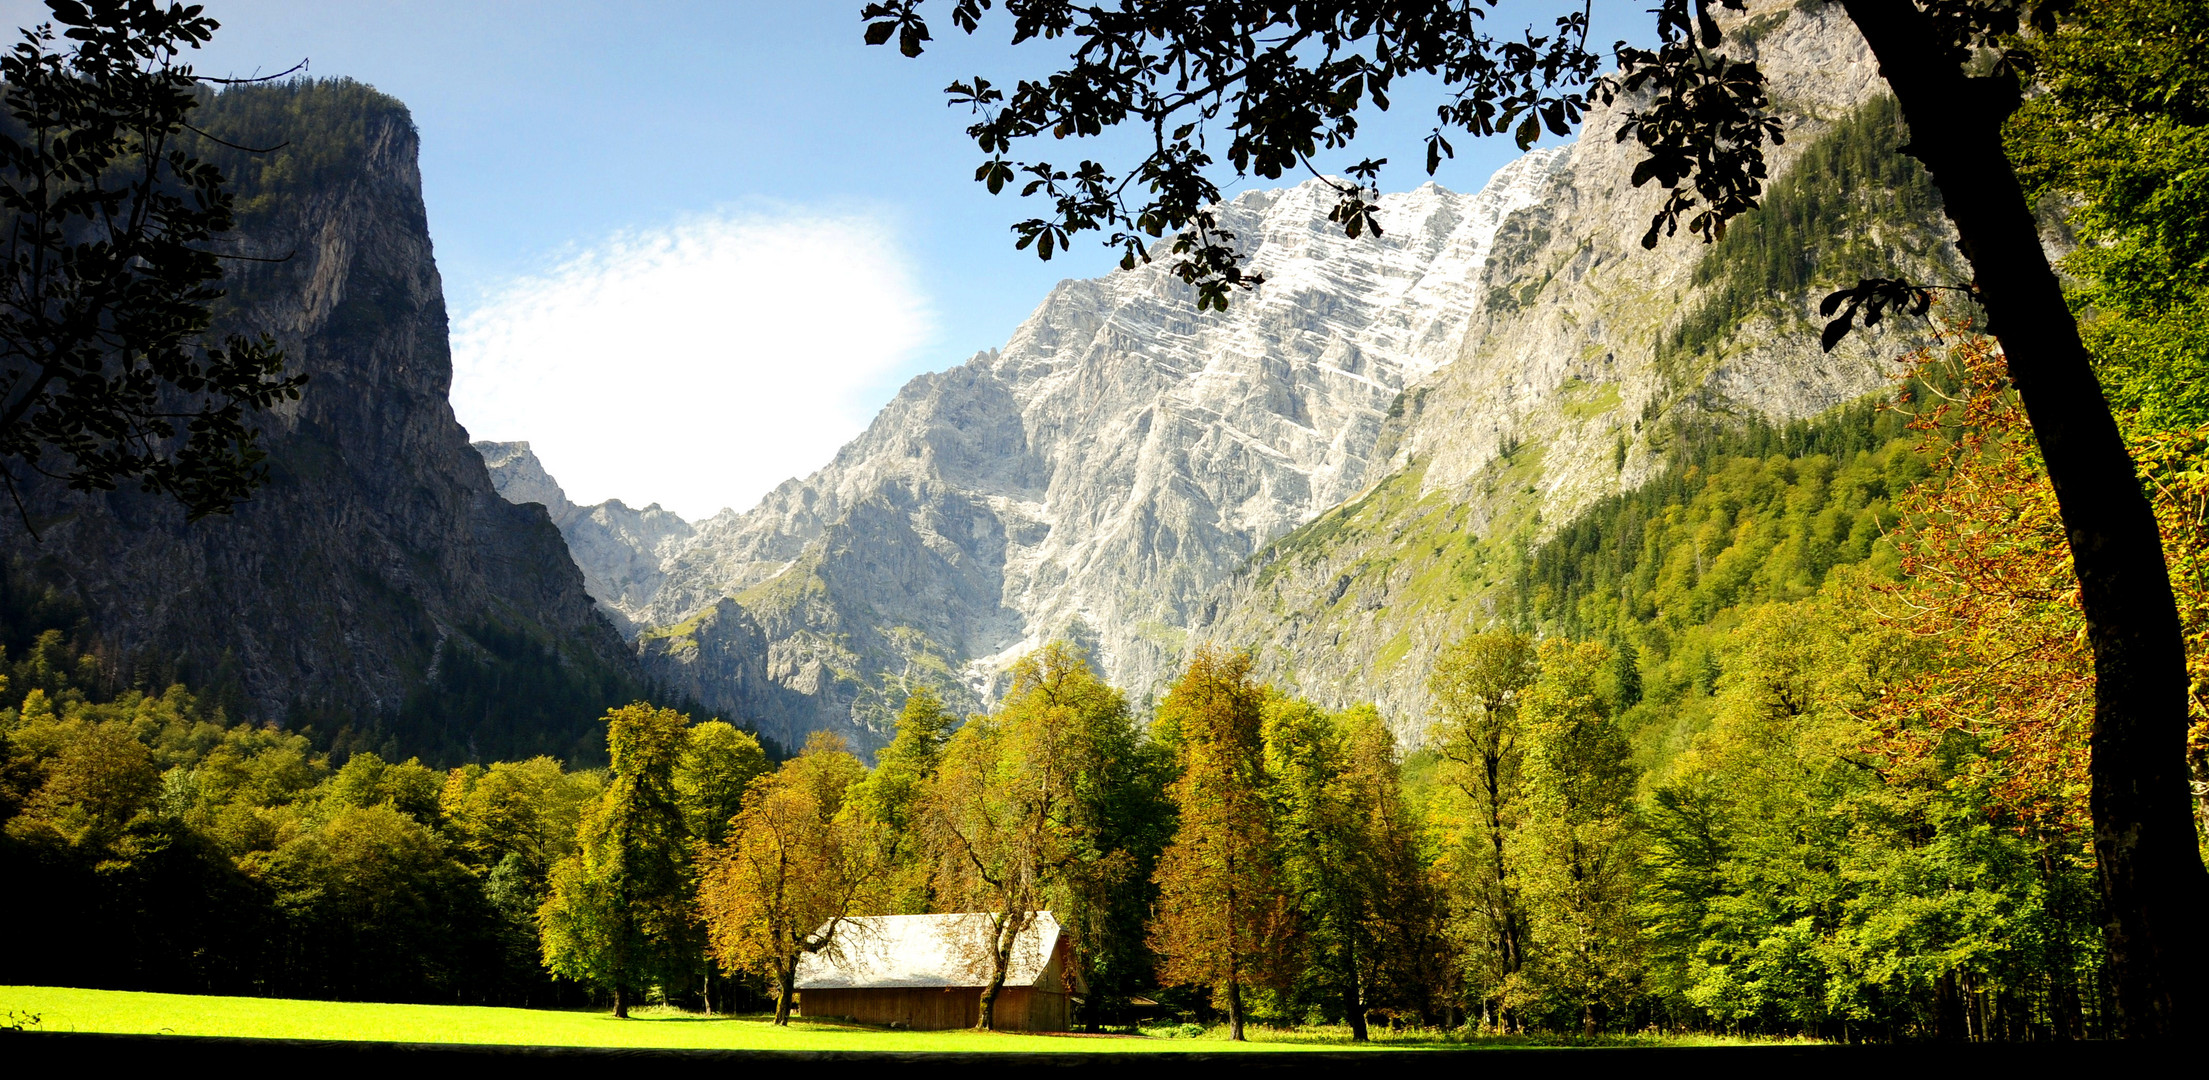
(885, 951)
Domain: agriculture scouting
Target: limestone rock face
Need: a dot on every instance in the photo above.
(378, 552)
(1095, 478)
(619, 550)
(1559, 395)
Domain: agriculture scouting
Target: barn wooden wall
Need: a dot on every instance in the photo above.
(1018, 1008)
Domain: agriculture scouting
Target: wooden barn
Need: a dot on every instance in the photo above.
(927, 972)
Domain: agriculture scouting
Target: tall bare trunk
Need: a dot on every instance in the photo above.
(621, 1001)
(2152, 880)
(1235, 1009)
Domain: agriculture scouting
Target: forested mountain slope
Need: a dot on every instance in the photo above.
(377, 588)
(1592, 367)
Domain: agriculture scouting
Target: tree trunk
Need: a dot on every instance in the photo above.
(1235, 1009)
(621, 1001)
(987, 1019)
(1353, 1006)
(784, 991)
(2152, 880)
(1008, 930)
(1507, 921)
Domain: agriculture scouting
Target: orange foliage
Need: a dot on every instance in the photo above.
(1987, 577)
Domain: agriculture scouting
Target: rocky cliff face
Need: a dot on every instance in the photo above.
(1339, 471)
(378, 571)
(619, 550)
(1094, 479)
(1576, 374)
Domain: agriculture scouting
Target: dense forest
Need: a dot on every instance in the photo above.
(1791, 740)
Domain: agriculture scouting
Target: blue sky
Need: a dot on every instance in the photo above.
(690, 248)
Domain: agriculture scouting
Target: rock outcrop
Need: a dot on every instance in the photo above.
(619, 550)
(378, 570)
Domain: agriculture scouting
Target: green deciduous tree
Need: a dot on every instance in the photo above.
(891, 795)
(1350, 857)
(1579, 833)
(712, 776)
(620, 909)
(1004, 817)
(1476, 686)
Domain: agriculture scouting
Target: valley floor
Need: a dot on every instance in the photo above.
(60, 1009)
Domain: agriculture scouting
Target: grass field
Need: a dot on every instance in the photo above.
(124, 1012)
(61, 1009)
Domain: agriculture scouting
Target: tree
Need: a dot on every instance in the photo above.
(620, 908)
(376, 908)
(1002, 815)
(1579, 829)
(1284, 79)
(792, 869)
(105, 371)
(891, 795)
(1348, 854)
(524, 809)
(1476, 685)
(712, 776)
(1225, 920)
(1118, 822)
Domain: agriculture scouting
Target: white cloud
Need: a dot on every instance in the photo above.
(696, 366)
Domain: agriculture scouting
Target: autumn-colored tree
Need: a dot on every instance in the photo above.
(1476, 687)
(1225, 918)
(620, 908)
(1990, 592)
(1581, 847)
(1001, 816)
(1987, 575)
(793, 868)
(1988, 578)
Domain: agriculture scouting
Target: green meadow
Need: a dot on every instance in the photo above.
(63, 1009)
(50, 1008)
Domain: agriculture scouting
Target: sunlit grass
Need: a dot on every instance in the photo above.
(63, 1009)
(660, 1027)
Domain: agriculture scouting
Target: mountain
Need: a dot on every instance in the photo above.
(619, 550)
(1591, 368)
(377, 588)
(1343, 471)
(1094, 478)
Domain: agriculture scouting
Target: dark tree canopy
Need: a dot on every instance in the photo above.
(106, 371)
